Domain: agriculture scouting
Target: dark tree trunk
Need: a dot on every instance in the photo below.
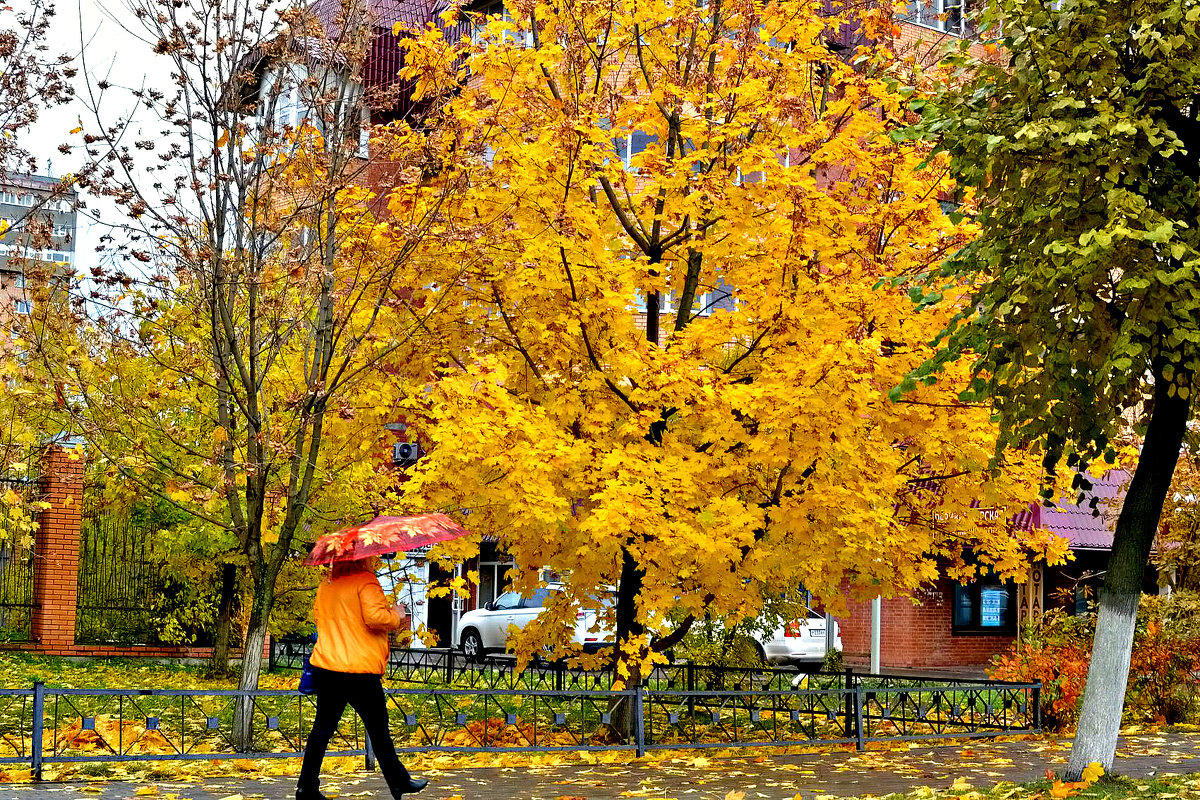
(1104, 696)
(628, 627)
(219, 664)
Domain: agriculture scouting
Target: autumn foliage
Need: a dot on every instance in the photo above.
(667, 312)
(1166, 653)
(1054, 652)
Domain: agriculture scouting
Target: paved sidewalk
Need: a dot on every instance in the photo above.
(839, 773)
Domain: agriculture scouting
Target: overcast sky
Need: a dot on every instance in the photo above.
(105, 50)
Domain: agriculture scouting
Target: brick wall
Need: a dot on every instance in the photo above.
(56, 544)
(56, 570)
(917, 636)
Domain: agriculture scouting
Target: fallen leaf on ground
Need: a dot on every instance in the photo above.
(1093, 772)
(1061, 790)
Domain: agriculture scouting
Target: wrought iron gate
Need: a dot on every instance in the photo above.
(20, 478)
(119, 578)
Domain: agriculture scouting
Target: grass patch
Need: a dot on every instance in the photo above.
(20, 670)
(1109, 787)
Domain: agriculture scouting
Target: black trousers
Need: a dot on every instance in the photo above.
(364, 693)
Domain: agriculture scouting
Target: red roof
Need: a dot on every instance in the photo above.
(386, 13)
(1086, 525)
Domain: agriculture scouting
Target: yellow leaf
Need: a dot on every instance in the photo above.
(77, 130)
(91, 789)
(736, 796)
(1093, 772)
(961, 785)
(146, 791)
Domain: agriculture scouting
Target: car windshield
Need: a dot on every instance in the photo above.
(508, 600)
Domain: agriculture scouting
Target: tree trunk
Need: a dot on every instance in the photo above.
(628, 627)
(256, 636)
(1104, 696)
(624, 715)
(219, 664)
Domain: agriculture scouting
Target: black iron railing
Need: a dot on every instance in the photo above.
(51, 725)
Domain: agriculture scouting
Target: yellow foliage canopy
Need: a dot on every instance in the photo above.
(721, 163)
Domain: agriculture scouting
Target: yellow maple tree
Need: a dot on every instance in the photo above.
(667, 311)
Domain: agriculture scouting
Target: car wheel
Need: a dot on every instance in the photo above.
(472, 645)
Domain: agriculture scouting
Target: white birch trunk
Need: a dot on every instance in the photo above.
(1108, 675)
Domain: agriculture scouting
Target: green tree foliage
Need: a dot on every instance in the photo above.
(1083, 152)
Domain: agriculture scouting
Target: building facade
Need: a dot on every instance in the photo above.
(38, 218)
(951, 627)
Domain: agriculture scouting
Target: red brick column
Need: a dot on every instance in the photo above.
(56, 548)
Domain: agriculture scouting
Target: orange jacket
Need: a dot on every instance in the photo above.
(353, 619)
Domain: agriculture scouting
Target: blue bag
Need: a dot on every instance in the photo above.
(308, 681)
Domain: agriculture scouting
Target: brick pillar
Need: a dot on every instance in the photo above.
(56, 545)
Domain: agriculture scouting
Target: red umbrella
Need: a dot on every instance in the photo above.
(384, 535)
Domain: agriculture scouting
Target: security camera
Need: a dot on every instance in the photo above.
(405, 454)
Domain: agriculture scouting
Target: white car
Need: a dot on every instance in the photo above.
(799, 642)
(486, 628)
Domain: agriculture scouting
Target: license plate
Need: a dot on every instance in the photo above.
(816, 631)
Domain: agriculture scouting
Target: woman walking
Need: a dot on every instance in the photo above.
(353, 619)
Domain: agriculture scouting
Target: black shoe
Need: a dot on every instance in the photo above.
(414, 785)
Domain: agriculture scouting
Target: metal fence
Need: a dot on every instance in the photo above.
(119, 576)
(20, 477)
(46, 725)
(450, 668)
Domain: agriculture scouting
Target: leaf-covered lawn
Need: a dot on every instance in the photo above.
(20, 670)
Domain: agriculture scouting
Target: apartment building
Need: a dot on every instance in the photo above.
(39, 220)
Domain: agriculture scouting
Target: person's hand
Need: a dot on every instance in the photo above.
(402, 610)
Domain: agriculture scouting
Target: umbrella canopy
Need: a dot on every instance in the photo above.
(384, 535)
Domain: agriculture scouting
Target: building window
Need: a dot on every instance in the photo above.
(482, 15)
(492, 579)
(1080, 604)
(364, 133)
(701, 304)
(22, 306)
(985, 606)
(631, 144)
(942, 15)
